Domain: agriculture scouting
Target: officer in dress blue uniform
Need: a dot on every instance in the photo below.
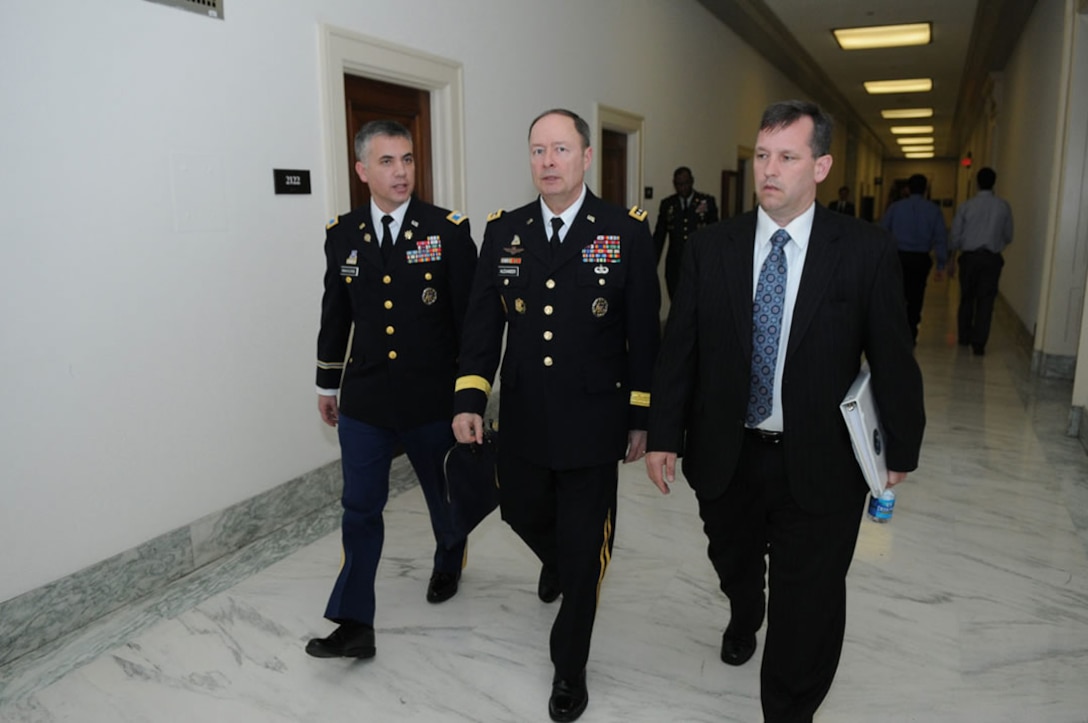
(573, 282)
(399, 270)
(682, 214)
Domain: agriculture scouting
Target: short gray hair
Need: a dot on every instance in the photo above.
(580, 124)
(377, 128)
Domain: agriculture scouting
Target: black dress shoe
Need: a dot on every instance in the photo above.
(737, 650)
(350, 640)
(547, 589)
(569, 698)
(978, 349)
(442, 587)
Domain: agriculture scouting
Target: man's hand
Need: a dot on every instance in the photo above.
(468, 427)
(328, 408)
(636, 445)
(895, 478)
(661, 467)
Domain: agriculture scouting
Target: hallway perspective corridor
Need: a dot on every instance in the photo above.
(970, 605)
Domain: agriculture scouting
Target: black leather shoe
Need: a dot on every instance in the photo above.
(547, 589)
(350, 640)
(569, 698)
(442, 587)
(737, 650)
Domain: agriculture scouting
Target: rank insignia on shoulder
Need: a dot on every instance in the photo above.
(332, 222)
(637, 213)
(456, 217)
(494, 215)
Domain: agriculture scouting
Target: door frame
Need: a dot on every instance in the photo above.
(344, 52)
(631, 125)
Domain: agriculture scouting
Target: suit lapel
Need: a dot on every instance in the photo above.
(736, 267)
(821, 259)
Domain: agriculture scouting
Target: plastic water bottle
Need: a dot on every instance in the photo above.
(882, 507)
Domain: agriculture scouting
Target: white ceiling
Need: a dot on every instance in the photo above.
(969, 42)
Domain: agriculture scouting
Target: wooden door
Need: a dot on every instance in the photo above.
(614, 167)
(366, 99)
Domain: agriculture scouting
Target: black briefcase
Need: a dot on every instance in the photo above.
(472, 483)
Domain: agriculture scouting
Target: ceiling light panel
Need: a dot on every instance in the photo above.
(901, 113)
(909, 85)
(883, 36)
(919, 155)
(914, 140)
(905, 130)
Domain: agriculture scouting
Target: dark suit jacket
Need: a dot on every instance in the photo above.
(850, 302)
(407, 315)
(582, 333)
(849, 210)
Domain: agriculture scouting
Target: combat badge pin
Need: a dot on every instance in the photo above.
(600, 307)
(429, 296)
(353, 258)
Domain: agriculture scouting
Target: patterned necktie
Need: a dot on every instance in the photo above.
(387, 239)
(557, 223)
(767, 310)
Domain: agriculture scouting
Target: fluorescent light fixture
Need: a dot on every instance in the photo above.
(918, 149)
(910, 85)
(914, 140)
(928, 154)
(900, 113)
(883, 36)
(904, 130)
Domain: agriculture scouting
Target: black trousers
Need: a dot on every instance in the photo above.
(916, 266)
(567, 517)
(980, 272)
(809, 557)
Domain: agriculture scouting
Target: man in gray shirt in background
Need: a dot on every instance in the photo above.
(981, 229)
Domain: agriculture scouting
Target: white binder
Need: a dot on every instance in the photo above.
(866, 434)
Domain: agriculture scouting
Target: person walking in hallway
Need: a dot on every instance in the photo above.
(981, 229)
(572, 281)
(775, 309)
(398, 271)
(680, 215)
(918, 227)
(843, 204)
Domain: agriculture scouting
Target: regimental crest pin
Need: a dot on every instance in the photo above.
(429, 296)
(600, 307)
(519, 306)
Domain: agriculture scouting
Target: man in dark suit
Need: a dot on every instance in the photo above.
(681, 215)
(843, 205)
(774, 311)
(400, 271)
(573, 282)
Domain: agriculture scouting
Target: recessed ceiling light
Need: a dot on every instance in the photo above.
(898, 130)
(883, 36)
(914, 140)
(919, 149)
(919, 155)
(910, 85)
(899, 113)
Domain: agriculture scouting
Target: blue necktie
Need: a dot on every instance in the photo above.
(767, 307)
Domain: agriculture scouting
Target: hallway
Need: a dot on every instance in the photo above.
(971, 605)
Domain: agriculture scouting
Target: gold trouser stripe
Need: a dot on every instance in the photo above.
(606, 552)
(472, 382)
(640, 399)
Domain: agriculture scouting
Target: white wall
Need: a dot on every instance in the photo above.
(160, 304)
(1025, 154)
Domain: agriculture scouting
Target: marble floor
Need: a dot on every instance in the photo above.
(971, 605)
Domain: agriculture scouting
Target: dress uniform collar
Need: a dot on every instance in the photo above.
(568, 215)
(397, 213)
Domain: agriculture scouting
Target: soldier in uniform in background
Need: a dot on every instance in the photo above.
(400, 270)
(681, 215)
(573, 281)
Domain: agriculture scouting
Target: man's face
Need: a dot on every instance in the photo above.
(390, 171)
(558, 160)
(683, 183)
(786, 172)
